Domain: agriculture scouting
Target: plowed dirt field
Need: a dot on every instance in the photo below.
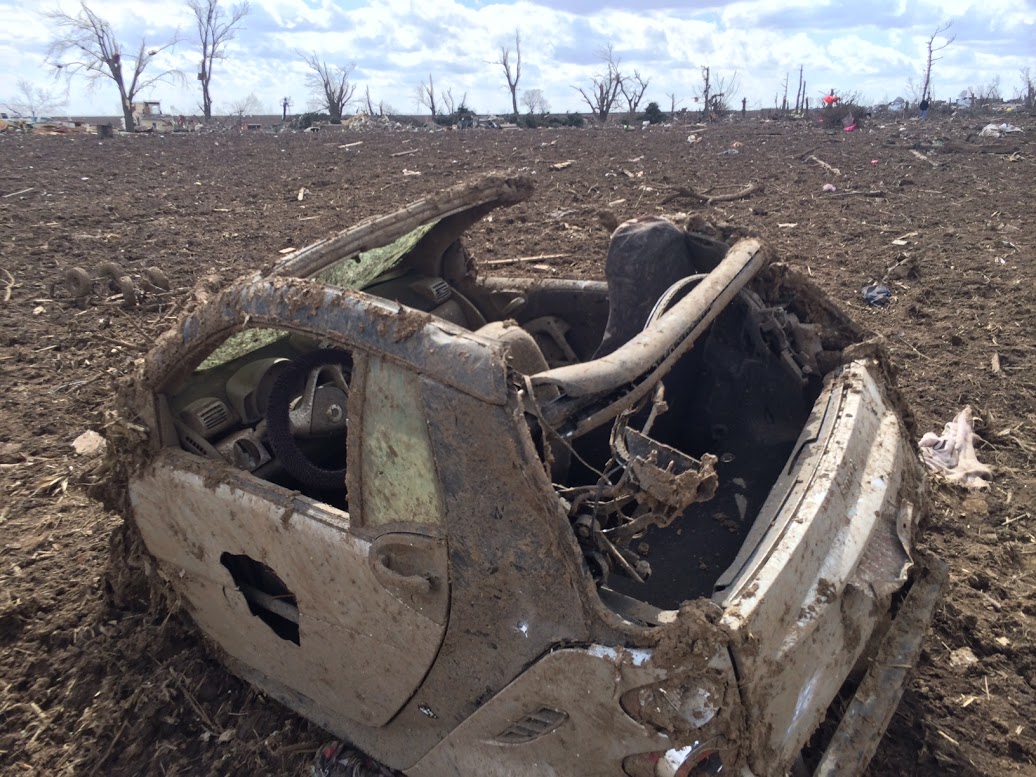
(96, 675)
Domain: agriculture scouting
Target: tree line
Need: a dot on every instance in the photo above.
(85, 45)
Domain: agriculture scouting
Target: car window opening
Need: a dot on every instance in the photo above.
(273, 404)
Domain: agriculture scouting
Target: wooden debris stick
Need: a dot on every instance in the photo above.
(748, 191)
(682, 192)
(538, 257)
(350, 145)
(23, 191)
(405, 153)
(836, 195)
(823, 164)
(10, 284)
(923, 158)
(947, 737)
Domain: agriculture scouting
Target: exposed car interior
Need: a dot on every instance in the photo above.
(277, 404)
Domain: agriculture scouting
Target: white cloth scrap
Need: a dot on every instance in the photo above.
(952, 454)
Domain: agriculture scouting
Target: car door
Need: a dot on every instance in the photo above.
(339, 616)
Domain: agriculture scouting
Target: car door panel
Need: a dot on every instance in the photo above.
(361, 650)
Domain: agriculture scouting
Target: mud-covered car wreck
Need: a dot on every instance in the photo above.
(658, 525)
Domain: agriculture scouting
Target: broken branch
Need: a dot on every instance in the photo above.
(823, 164)
(682, 192)
(524, 259)
(878, 193)
(923, 158)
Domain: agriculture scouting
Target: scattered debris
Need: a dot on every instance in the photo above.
(876, 294)
(923, 158)
(11, 453)
(9, 288)
(829, 187)
(952, 454)
(339, 759)
(809, 156)
(998, 130)
(562, 165)
(89, 443)
(905, 267)
(80, 284)
(302, 193)
(537, 258)
(682, 192)
(875, 193)
(963, 656)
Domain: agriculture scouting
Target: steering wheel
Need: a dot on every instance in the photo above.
(308, 400)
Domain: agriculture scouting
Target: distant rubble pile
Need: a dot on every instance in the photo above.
(362, 121)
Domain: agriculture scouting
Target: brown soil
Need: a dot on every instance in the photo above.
(97, 678)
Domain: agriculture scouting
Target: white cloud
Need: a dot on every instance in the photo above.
(873, 48)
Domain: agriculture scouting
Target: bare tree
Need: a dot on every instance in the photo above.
(33, 100)
(426, 96)
(215, 30)
(672, 105)
(984, 95)
(633, 89)
(534, 100)
(605, 86)
(926, 83)
(800, 94)
(512, 76)
(1028, 91)
(85, 44)
(246, 106)
(330, 86)
(372, 109)
(715, 92)
(452, 106)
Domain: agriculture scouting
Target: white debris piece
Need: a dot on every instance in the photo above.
(998, 130)
(89, 443)
(952, 454)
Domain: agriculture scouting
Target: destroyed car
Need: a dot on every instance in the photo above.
(660, 524)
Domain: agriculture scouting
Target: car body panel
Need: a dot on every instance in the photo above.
(836, 549)
(581, 685)
(343, 609)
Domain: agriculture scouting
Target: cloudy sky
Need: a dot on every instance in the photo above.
(873, 47)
